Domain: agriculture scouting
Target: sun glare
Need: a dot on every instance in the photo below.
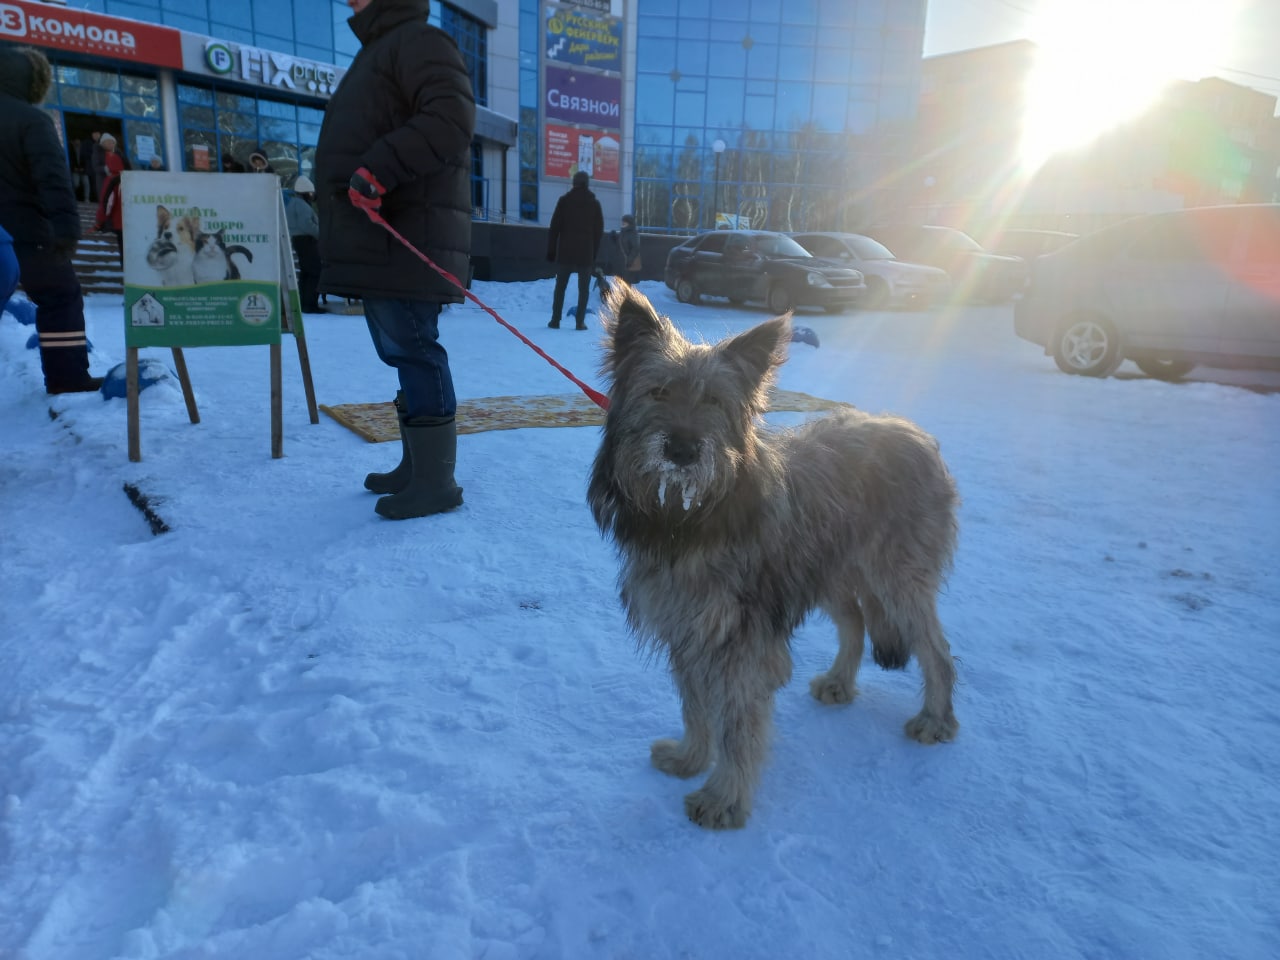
(1101, 62)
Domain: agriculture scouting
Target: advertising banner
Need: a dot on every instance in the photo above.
(581, 38)
(580, 97)
(261, 68)
(568, 150)
(201, 259)
(65, 28)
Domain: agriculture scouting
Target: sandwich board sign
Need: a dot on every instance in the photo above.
(204, 266)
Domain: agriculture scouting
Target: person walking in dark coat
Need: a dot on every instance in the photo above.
(629, 245)
(396, 139)
(38, 209)
(572, 243)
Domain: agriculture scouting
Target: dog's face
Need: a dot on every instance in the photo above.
(682, 416)
(175, 239)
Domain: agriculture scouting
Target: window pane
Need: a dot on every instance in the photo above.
(190, 94)
(91, 101)
(242, 123)
(87, 77)
(233, 101)
(143, 86)
(142, 106)
(197, 117)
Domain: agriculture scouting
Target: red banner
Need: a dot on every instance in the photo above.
(62, 28)
(569, 149)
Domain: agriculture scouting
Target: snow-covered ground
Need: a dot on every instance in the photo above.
(288, 728)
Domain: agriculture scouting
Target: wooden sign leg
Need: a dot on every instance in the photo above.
(304, 360)
(180, 363)
(131, 393)
(277, 392)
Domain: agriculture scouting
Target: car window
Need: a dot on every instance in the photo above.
(712, 243)
(776, 245)
(736, 244)
(1262, 244)
(1167, 240)
(823, 246)
(954, 240)
(868, 249)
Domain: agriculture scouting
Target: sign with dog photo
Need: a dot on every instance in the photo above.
(202, 262)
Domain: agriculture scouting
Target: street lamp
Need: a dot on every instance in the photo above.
(717, 147)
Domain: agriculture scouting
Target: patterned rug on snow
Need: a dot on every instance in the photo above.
(377, 422)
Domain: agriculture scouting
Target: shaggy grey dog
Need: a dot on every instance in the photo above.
(729, 536)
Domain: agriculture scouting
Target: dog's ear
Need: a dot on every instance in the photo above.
(162, 215)
(762, 348)
(630, 322)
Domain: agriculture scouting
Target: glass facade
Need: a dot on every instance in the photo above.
(217, 124)
(83, 93)
(530, 96)
(809, 101)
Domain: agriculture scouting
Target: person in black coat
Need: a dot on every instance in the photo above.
(38, 209)
(396, 141)
(572, 243)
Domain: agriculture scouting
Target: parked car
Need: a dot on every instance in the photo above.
(976, 274)
(1029, 244)
(1167, 290)
(890, 281)
(759, 265)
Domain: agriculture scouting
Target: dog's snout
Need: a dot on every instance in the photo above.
(680, 449)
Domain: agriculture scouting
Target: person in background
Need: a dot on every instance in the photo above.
(304, 235)
(79, 176)
(38, 209)
(572, 243)
(110, 215)
(97, 173)
(419, 159)
(155, 163)
(629, 244)
(8, 267)
(231, 165)
(258, 163)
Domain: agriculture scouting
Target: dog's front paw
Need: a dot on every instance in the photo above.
(828, 689)
(672, 758)
(713, 812)
(928, 728)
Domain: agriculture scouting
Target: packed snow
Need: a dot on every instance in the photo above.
(287, 728)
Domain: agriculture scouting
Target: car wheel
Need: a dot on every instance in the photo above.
(1087, 345)
(877, 294)
(779, 298)
(686, 292)
(1164, 369)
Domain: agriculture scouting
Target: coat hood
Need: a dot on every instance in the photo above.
(383, 15)
(25, 74)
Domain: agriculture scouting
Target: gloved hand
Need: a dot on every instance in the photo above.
(65, 245)
(364, 190)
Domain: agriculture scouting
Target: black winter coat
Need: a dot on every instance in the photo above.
(405, 111)
(576, 228)
(37, 201)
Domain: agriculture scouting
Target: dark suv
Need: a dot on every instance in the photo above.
(1166, 290)
(746, 265)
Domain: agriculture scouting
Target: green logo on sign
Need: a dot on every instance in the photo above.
(219, 57)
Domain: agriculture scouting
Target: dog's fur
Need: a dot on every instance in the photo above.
(730, 535)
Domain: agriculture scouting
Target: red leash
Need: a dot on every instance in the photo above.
(596, 396)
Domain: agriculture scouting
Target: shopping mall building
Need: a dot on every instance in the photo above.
(780, 114)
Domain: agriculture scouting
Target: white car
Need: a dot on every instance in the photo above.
(890, 282)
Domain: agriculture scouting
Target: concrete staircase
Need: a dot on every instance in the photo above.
(97, 260)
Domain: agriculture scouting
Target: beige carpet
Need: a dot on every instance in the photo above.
(377, 422)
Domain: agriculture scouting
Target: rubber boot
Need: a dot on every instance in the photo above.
(397, 479)
(431, 449)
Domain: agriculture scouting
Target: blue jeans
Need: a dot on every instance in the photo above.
(406, 335)
(8, 271)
